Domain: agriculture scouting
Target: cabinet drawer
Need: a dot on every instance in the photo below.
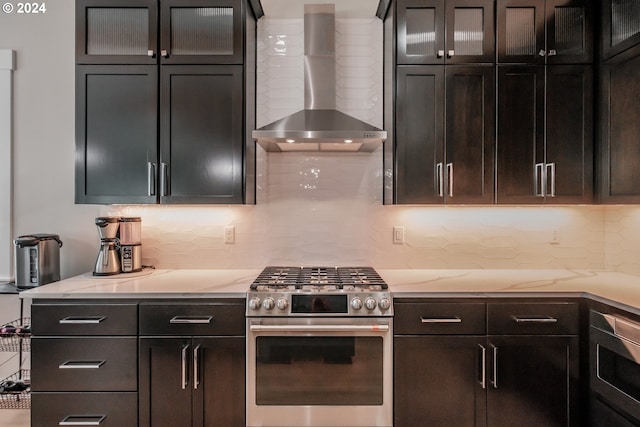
(84, 364)
(215, 318)
(439, 318)
(552, 318)
(84, 319)
(84, 409)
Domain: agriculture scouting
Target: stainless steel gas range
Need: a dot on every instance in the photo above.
(319, 348)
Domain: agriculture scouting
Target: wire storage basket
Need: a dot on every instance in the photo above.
(15, 391)
(16, 335)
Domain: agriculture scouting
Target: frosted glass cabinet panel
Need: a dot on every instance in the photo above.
(150, 31)
(551, 32)
(445, 31)
(620, 25)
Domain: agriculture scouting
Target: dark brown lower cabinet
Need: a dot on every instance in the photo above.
(533, 381)
(520, 369)
(192, 381)
(84, 409)
(438, 381)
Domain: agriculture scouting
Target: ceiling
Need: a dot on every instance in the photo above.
(294, 9)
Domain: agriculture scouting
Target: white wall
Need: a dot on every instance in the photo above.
(313, 209)
(43, 143)
(7, 65)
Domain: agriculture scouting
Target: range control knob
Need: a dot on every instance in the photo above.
(268, 303)
(255, 303)
(384, 304)
(356, 303)
(282, 303)
(370, 303)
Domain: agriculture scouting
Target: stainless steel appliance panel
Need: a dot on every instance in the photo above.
(615, 361)
(319, 372)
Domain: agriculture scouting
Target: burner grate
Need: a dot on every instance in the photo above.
(335, 277)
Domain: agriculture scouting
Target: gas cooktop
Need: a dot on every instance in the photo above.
(318, 278)
(319, 291)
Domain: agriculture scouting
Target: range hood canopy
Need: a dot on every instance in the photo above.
(319, 127)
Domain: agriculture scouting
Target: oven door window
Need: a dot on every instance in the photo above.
(319, 370)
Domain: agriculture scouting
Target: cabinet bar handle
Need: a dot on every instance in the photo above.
(91, 320)
(494, 381)
(483, 369)
(540, 181)
(82, 420)
(183, 367)
(163, 179)
(551, 177)
(440, 179)
(191, 320)
(540, 319)
(441, 320)
(196, 381)
(450, 175)
(84, 364)
(151, 179)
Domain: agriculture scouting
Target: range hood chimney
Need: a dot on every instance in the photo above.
(319, 127)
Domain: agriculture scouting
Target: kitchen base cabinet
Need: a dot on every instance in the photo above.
(85, 409)
(516, 366)
(438, 381)
(192, 364)
(533, 381)
(192, 382)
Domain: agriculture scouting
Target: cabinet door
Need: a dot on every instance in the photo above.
(569, 31)
(116, 133)
(165, 383)
(116, 31)
(420, 32)
(219, 370)
(469, 31)
(569, 134)
(620, 26)
(470, 136)
(439, 381)
(201, 32)
(533, 381)
(520, 142)
(621, 132)
(521, 31)
(202, 134)
(420, 168)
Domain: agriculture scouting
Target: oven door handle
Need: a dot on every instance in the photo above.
(319, 328)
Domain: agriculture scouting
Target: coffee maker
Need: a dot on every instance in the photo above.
(108, 261)
(130, 237)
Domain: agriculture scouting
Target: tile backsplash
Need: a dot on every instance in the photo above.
(326, 209)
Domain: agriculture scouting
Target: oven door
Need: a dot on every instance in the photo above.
(319, 372)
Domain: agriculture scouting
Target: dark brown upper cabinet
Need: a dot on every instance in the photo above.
(620, 26)
(444, 134)
(445, 31)
(539, 32)
(545, 134)
(169, 32)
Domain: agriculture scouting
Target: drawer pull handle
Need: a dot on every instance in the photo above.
(76, 364)
(441, 320)
(82, 420)
(192, 320)
(535, 319)
(73, 320)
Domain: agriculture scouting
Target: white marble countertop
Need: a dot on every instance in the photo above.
(618, 289)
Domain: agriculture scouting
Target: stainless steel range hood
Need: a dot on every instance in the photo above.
(319, 127)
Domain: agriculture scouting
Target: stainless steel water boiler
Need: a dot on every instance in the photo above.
(37, 259)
